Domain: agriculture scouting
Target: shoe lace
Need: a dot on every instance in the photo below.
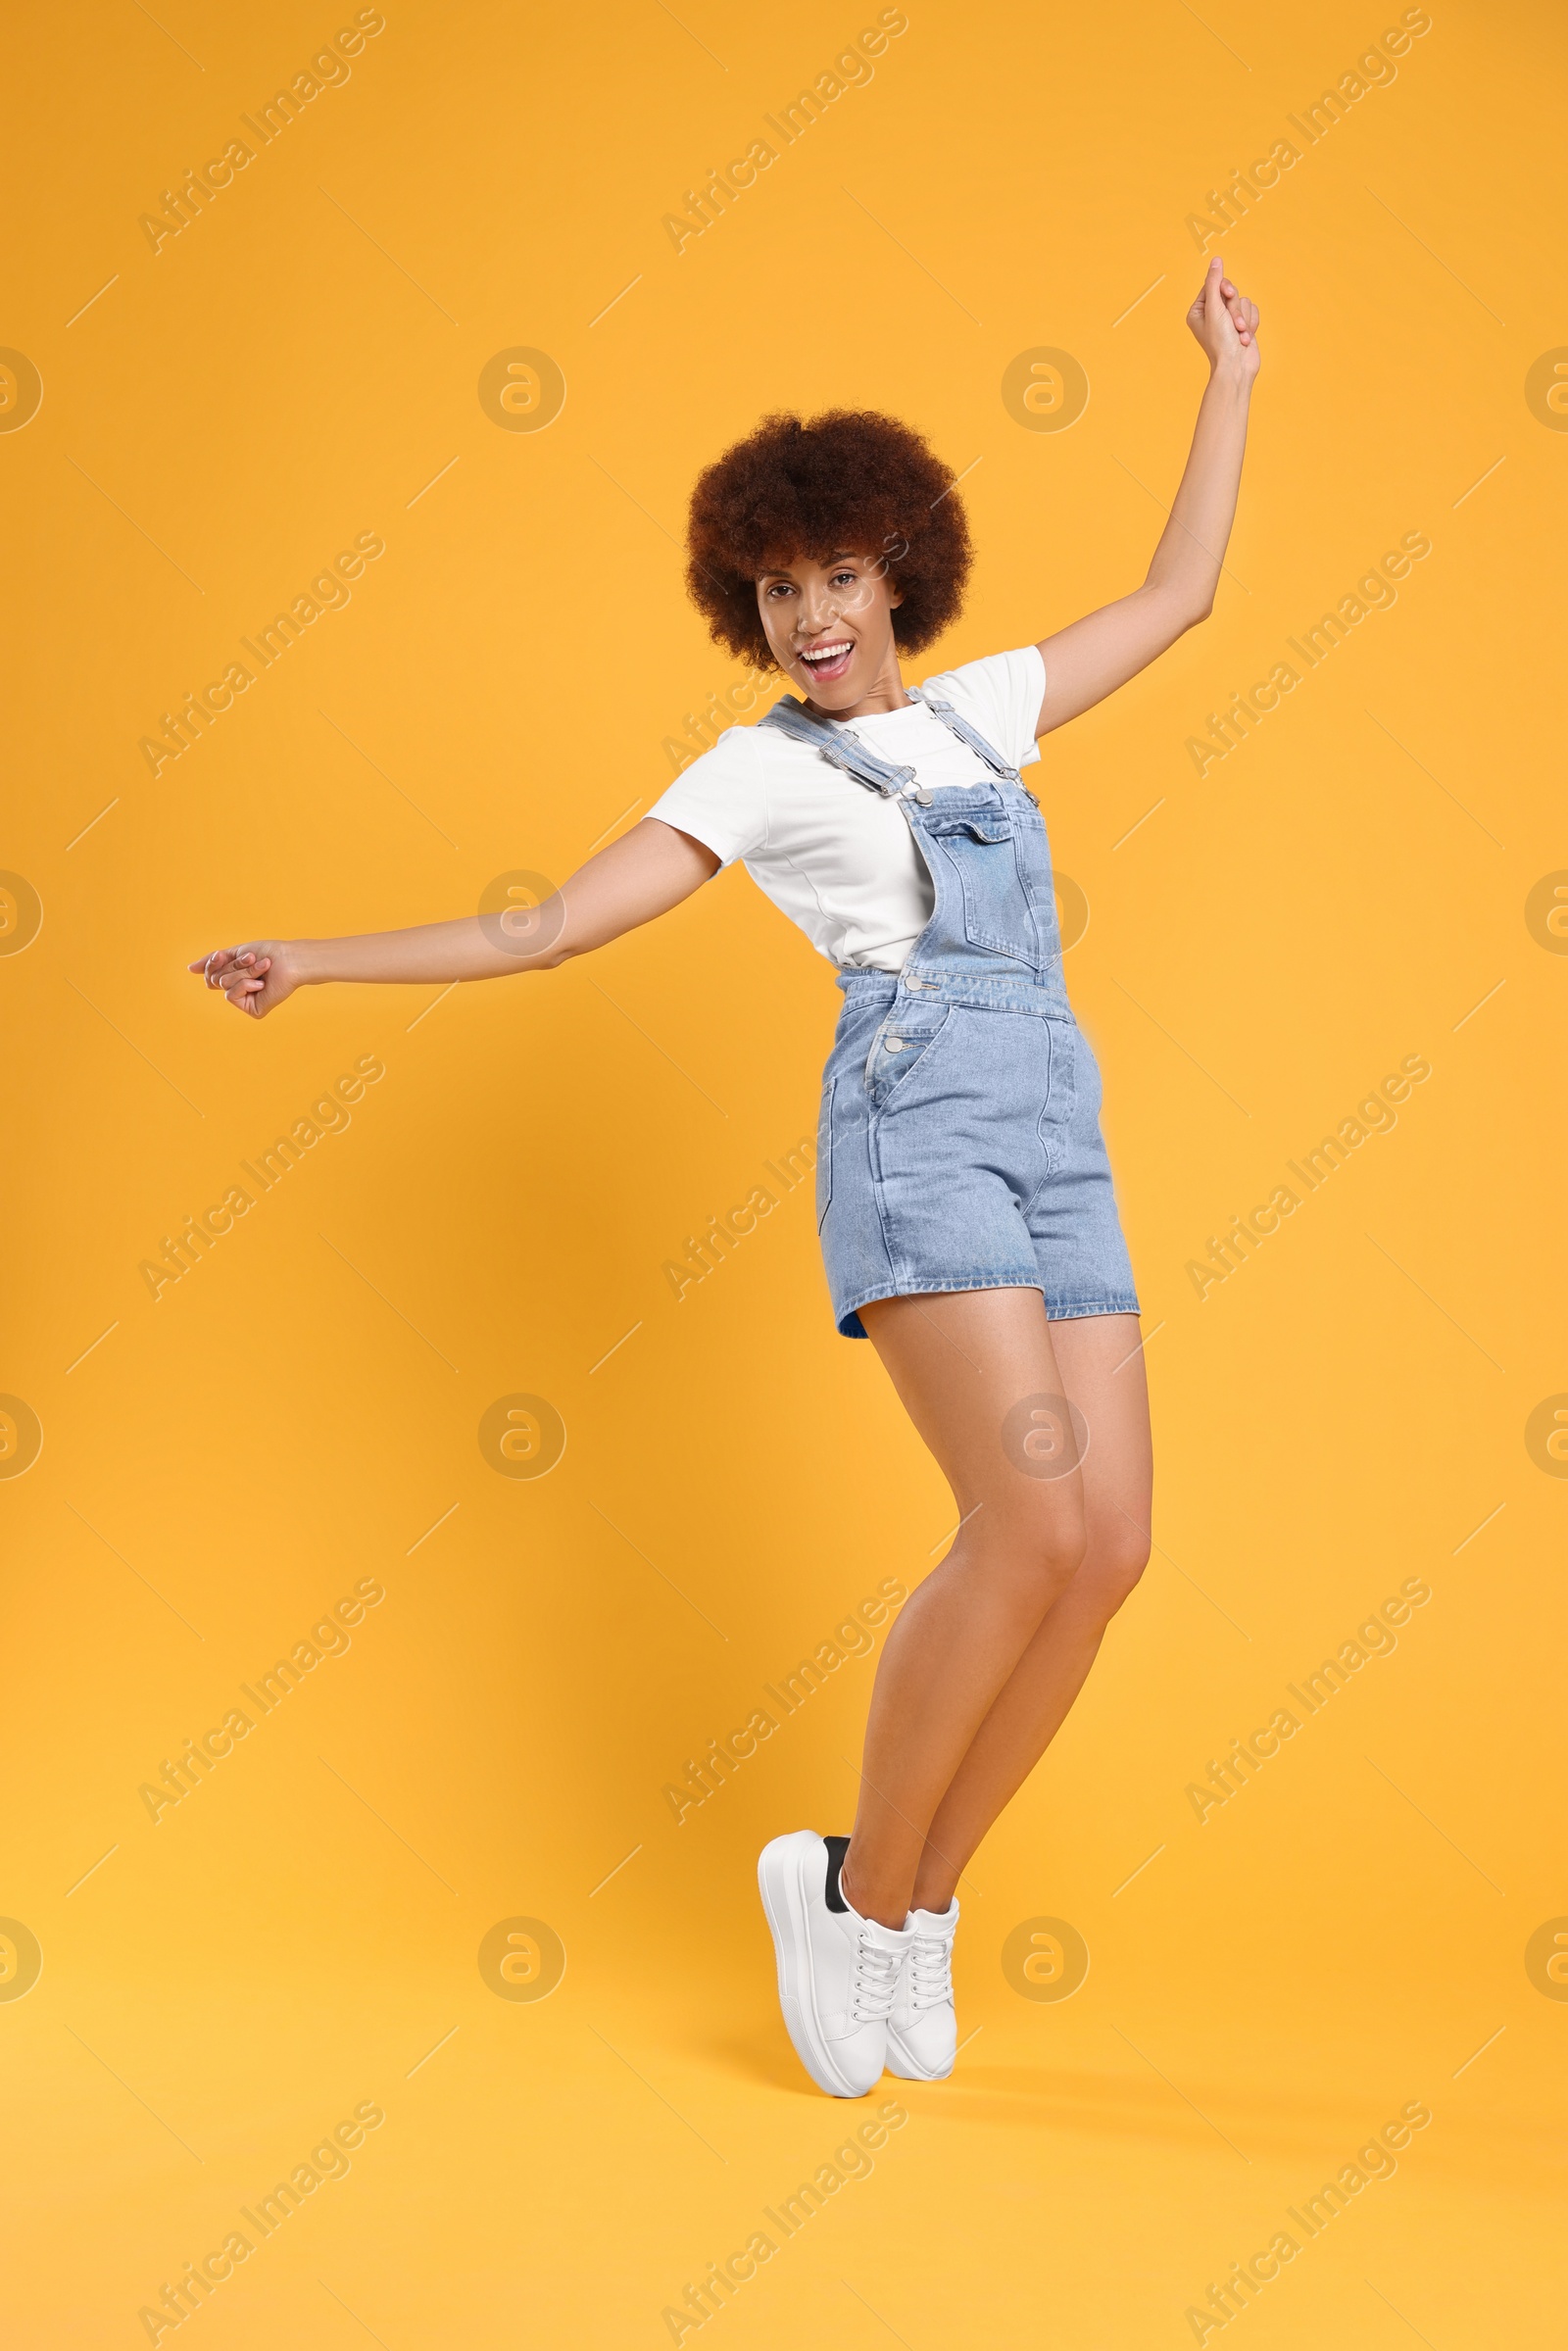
(877, 1979)
(930, 1970)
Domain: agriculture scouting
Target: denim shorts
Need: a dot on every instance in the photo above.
(960, 1145)
(960, 1149)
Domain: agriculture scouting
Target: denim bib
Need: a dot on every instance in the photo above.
(992, 939)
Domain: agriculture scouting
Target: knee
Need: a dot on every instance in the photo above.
(1059, 1560)
(1108, 1571)
(1040, 1556)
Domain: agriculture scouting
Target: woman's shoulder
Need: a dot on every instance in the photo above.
(720, 796)
(993, 678)
(733, 752)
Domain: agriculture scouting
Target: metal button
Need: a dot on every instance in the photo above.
(894, 1045)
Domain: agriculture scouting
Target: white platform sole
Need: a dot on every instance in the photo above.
(780, 1871)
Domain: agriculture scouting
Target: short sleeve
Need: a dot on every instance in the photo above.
(1002, 696)
(720, 799)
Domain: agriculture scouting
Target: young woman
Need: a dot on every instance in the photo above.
(965, 1206)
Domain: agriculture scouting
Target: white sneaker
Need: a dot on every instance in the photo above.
(837, 1972)
(922, 2027)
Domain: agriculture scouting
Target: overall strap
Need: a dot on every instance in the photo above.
(846, 750)
(966, 734)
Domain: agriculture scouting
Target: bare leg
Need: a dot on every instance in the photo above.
(974, 1641)
(1103, 1373)
(960, 1362)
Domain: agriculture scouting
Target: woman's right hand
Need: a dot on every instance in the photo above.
(255, 977)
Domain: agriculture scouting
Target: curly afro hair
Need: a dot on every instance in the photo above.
(799, 486)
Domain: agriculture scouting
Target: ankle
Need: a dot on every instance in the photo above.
(865, 1904)
(936, 1899)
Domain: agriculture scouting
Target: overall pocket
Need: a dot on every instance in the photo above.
(981, 850)
(897, 1048)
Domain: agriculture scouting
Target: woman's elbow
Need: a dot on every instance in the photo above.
(1181, 608)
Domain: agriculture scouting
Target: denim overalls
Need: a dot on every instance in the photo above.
(959, 1144)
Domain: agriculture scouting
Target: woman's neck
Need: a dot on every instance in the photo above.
(886, 694)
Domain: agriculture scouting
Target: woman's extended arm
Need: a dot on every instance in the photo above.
(1091, 658)
(643, 875)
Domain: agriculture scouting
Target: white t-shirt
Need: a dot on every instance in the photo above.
(837, 859)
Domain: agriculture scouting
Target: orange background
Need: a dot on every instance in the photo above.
(299, 365)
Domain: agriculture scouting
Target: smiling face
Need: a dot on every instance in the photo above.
(829, 627)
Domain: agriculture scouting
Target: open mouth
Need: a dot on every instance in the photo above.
(827, 662)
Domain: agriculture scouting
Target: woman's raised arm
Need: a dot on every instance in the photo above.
(643, 875)
(1091, 659)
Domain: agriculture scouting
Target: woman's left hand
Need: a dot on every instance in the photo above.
(1225, 323)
